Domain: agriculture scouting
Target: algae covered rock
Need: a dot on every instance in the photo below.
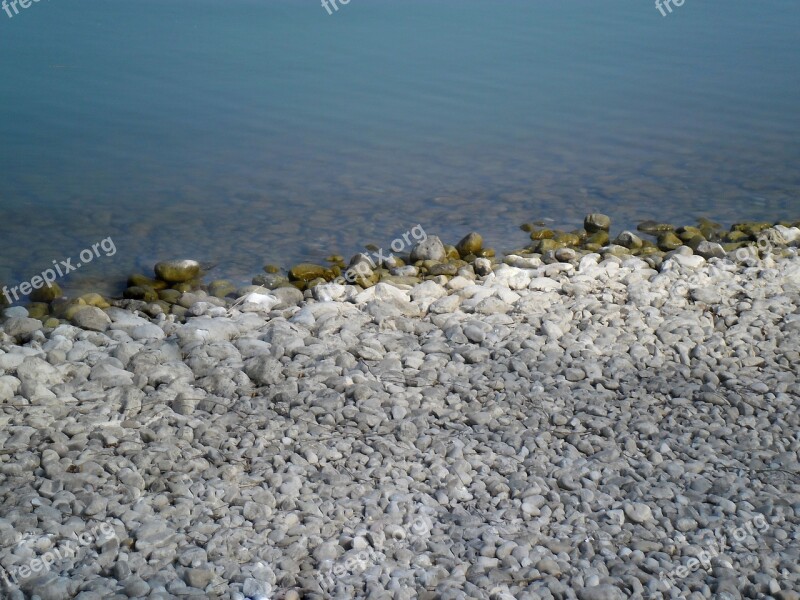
(177, 271)
(541, 234)
(46, 294)
(270, 280)
(94, 299)
(472, 243)
(669, 241)
(306, 272)
(136, 292)
(654, 227)
(138, 280)
(599, 238)
(38, 310)
(170, 296)
(597, 222)
(221, 288)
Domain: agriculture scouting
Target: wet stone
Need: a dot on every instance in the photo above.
(177, 271)
(597, 222)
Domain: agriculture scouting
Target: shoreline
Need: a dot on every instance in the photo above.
(511, 429)
(391, 264)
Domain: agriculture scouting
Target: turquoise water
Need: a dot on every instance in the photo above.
(244, 132)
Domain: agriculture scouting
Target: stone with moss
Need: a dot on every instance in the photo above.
(96, 300)
(648, 250)
(451, 252)
(270, 280)
(549, 245)
(177, 271)
(542, 234)
(46, 293)
(367, 282)
(306, 272)
(597, 222)
(736, 237)
(137, 280)
(72, 309)
(38, 310)
(654, 227)
(569, 239)
(669, 241)
(315, 282)
(694, 241)
(220, 288)
(471, 243)
(688, 232)
(170, 296)
(138, 292)
(751, 228)
(601, 238)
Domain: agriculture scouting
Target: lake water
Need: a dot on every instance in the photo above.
(246, 132)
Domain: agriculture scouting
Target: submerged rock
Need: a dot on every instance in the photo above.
(305, 272)
(597, 222)
(47, 293)
(177, 271)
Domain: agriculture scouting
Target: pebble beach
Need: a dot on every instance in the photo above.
(588, 418)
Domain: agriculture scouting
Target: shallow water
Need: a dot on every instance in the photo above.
(242, 133)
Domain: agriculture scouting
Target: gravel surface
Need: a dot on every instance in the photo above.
(599, 430)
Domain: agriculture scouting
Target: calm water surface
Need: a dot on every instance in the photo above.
(245, 132)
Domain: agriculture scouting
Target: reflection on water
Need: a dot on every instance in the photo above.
(247, 133)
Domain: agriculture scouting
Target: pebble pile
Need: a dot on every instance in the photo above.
(536, 427)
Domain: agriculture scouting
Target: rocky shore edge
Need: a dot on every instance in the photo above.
(409, 260)
(582, 423)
